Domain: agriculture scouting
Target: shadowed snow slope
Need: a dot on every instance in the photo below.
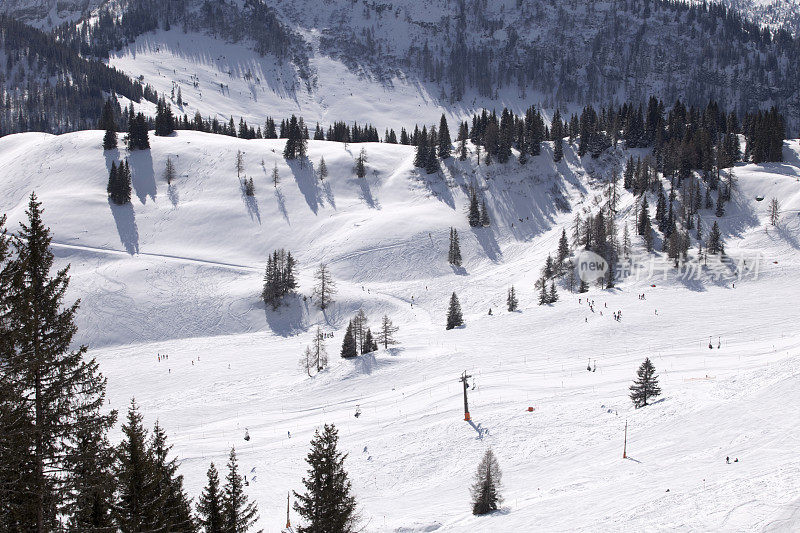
(179, 271)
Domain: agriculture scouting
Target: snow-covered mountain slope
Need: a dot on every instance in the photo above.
(449, 55)
(179, 272)
(47, 14)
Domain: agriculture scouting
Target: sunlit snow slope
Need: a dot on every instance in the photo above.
(179, 272)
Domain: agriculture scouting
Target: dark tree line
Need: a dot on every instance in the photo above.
(73, 97)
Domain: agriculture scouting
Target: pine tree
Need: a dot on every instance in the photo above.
(720, 211)
(552, 297)
(109, 140)
(172, 507)
(715, 244)
(454, 317)
(165, 122)
(563, 249)
(511, 300)
(169, 171)
(349, 346)
(134, 472)
(486, 489)
(369, 343)
(454, 254)
(385, 335)
(327, 504)
(544, 297)
(444, 141)
(90, 470)
(484, 215)
(361, 163)
(557, 133)
(474, 209)
(646, 386)
(239, 515)
(108, 123)
(52, 391)
(325, 288)
(644, 228)
(323, 169)
(209, 506)
(421, 155)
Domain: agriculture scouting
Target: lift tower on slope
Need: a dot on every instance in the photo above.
(463, 379)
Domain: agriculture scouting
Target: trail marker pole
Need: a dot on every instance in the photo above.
(463, 379)
(625, 445)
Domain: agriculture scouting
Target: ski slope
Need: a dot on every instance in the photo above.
(179, 272)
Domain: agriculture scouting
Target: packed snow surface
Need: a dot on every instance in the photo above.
(178, 272)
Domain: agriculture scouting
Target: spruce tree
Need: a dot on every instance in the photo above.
(165, 122)
(444, 141)
(361, 163)
(209, 506)
(349, 347)
(474, 216)
(486, 489)
(323, 169)
(485, 222)
(715, 244)
(454, 317)
(544, 297)
(239, 515)
(54, 393)
(90, 469)
(169, 171)
(421, 155)
(173, 510)
(552, 297)
(369, 343)
(563, 249)
(136, 488)
(108, 123)
(646, 384)
(109, 140)
(511, 300)
(454, 255)
(327, 505)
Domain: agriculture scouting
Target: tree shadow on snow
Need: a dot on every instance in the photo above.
(142, 174)
(251, 202)
(282, 204)
(437, 184)
(366, 194)
(172, 194)
(306, 181)
(289, 318)
(326, 186)
(459, 270)
(486, 239)
(125, 220)
(482, 431)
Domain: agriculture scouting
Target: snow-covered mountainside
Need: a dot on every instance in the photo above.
(49, 13)
(783, 14)
(179, 272)
(252, 59)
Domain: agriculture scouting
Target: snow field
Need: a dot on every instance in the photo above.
(191, 288)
